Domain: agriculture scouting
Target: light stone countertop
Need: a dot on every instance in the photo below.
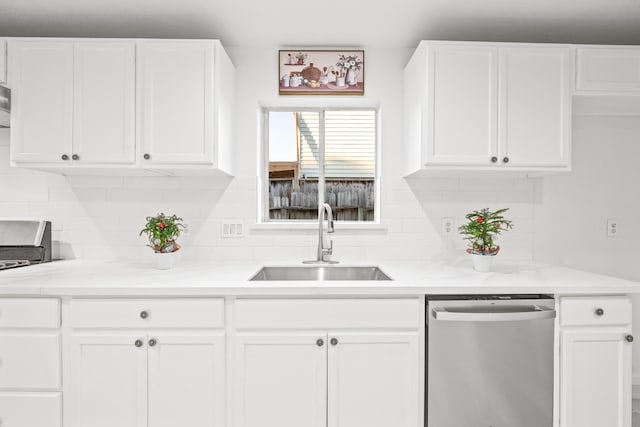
(191, 278)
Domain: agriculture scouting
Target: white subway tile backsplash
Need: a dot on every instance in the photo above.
(27, 194)
(95, 181)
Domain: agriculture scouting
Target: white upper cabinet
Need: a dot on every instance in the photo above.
(535, 106)
(104, 102)
(176, 82)
(488, 106)
(608, 70)
(41, 74)
(3, 61)
(73, 102)
(121, 106)
(185, 90)
(462, 126)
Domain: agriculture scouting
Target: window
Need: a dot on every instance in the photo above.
(316, 156)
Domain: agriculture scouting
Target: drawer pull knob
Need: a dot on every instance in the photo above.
(505, 160)
(146, 156)
(64, 157)
(138, 343)
(629, 338)
(494, 159)
(75, 157)
(320, 342)
(144, 314)
(152, 342)
(599, 312)
(334, 341)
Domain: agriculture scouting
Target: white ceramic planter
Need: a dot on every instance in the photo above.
(482, 263)
(164, 261)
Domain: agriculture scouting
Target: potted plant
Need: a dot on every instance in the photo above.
(162, 232)
(481, 230)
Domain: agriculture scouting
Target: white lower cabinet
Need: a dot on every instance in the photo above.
(344, 379)
(108, 381)
(35, 409)
(373, 379)
(281, 380)
(30, 362)
(595, 362)
(158, 380)
(152, 377)
(336, 377)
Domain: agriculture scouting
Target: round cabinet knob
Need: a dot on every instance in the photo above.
(334, 341)
(320, 342)
(64, 157)
(629, 338)
(146, 156)
(144, 314)
(599, 312)
(75, 157)
(138, 343)
(505, 160)
(153, 342)
(494, 159)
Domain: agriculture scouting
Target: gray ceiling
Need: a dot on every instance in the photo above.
(370, 23)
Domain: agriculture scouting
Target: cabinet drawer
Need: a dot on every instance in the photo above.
(29, 313)
(29, 361)
(30, 409)
(328, 313)
(592, 311)
(170, 313)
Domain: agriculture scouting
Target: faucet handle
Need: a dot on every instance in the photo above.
(329, 250)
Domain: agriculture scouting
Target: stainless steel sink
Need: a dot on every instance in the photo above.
(319, 273)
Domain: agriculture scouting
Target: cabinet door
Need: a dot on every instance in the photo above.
(535, 106)
(280, 380)
(30, 409)
(595, 381)
(373, 380)
(29, 361)
(462, 106)
(608, 69)
(41, 74)
(104, 102)
(186, 380)
(176, 78)
(3, 61)
(108, 381)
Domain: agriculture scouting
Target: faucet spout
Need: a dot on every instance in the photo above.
(324, 210)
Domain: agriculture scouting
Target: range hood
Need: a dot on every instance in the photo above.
(5, 106)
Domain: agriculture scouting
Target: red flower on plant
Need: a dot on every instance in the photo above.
(162, 226)
(480, 220)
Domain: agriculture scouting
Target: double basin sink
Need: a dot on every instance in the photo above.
(319, 273)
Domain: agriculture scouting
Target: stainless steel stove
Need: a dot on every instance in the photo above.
(24, 242)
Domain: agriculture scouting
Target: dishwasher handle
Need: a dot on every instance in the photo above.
(471, 315)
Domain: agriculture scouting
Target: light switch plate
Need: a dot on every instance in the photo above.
(230, 229)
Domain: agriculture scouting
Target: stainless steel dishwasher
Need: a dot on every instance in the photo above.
(490, 361)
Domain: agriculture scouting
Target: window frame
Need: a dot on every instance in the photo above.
(263, 168)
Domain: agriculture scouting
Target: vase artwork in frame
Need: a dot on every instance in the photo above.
(321, 72)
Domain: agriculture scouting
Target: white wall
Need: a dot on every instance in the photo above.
(100, 217)
(572, 209)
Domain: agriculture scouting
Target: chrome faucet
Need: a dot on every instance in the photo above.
(322, 251)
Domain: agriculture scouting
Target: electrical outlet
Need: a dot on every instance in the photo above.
(186, 228)
(612, 228)
(447, 226)
(231, 229)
